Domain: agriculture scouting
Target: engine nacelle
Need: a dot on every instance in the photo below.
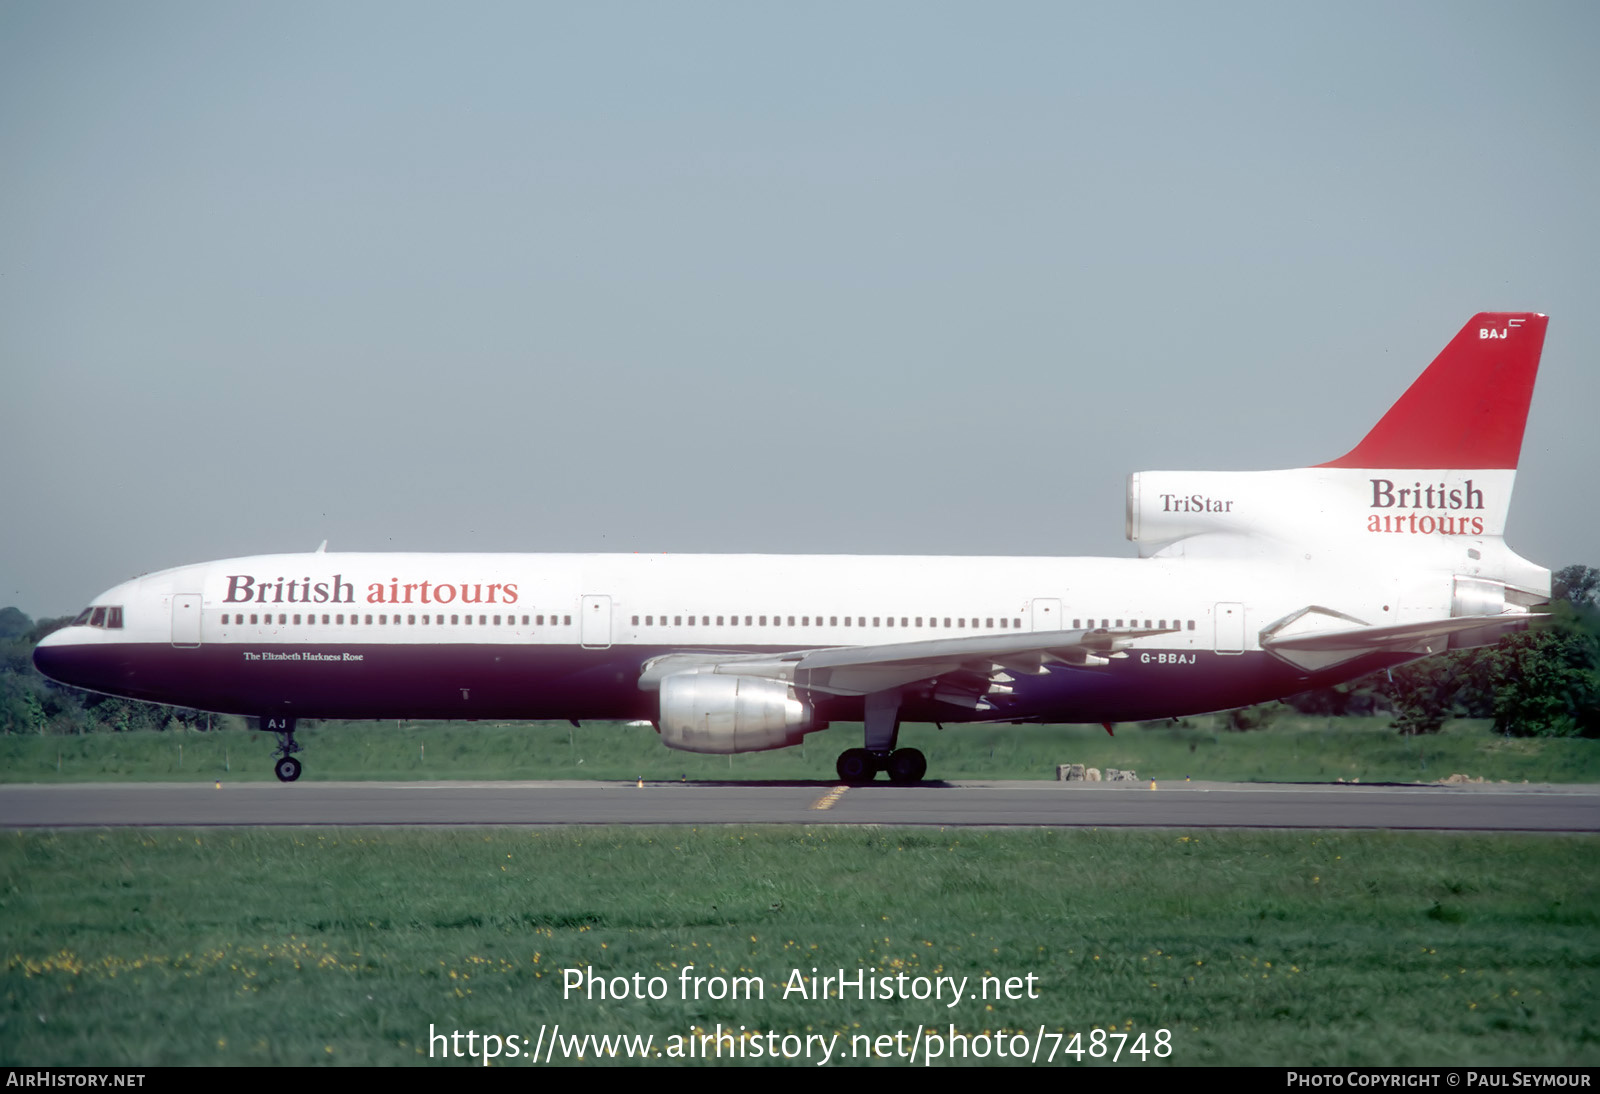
(1474, 596)
(708, 712)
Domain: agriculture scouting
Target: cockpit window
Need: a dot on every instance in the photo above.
(107, 616)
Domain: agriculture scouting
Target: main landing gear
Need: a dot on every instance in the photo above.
(881, 727)
(904, 765)
(284, 765)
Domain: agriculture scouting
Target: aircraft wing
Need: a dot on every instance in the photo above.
(983, 662)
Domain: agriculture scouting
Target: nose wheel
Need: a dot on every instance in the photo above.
(284, 765)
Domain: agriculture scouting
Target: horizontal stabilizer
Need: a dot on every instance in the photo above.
(1398, 636)
(1327, 648)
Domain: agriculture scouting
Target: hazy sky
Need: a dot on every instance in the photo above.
(858, 277)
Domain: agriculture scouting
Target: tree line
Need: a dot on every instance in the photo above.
(1541, 682)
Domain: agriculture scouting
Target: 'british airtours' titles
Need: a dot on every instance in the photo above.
(1385, 495)
(245, 589)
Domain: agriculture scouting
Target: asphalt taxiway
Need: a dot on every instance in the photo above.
(1478, 807)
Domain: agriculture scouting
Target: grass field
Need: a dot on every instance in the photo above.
(298, 946)
(284, 946)
(1294, 749)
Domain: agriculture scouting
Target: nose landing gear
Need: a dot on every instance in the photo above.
(285, 766)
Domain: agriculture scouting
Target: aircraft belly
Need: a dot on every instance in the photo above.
(348, 680)
(352, 680)
(1152, 684)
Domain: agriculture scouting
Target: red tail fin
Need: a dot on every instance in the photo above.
(1467, 411)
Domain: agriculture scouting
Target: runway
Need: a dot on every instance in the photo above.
(1498, 807)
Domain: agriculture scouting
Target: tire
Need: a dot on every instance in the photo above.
(856, 765)
(907, 765)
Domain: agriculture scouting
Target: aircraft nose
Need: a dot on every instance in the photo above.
(48, 655)
(63, 660)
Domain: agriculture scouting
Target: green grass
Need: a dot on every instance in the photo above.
(1294, 749)
(298, 946)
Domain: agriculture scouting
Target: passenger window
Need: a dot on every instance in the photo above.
(805, 621)
(847, 620)
(567, 619)
(947, 621)
(382, 619)
(919, 620)
(833, 621)
(747, 620)
(1191, 624)
(875, 622)
(719, 621)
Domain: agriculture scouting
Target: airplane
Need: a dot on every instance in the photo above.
(1249, 586)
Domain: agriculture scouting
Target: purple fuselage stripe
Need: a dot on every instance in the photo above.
(394, 680)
